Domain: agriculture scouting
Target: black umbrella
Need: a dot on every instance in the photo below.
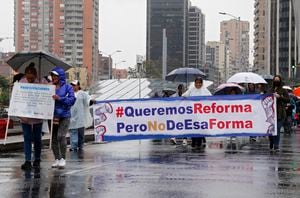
(44, 62)
(185, 74)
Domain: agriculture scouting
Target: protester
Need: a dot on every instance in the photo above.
(197, 90)
(261, 88)
(79, 115)
(251, 90)
(32, 128)
(232, 91)
(180, 91)
(282, 99)
(64, 99)
(290, 109)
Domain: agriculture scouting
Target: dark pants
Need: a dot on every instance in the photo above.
(274, 140)
(32, 133)
(59, 141)
(287, 124)
(198, 141)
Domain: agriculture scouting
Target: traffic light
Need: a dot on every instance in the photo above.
(293, 64)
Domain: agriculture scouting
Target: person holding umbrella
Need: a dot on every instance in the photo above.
(251, 90)
(64, 100)
(197, 90)
(32, 128)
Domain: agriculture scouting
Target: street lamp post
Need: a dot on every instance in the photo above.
(238, 60)
(115, 76)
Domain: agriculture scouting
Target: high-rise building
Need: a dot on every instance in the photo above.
(196, 38)
(185, 37)
(261, 38)
(173, 17)
(296, 9)
(275, 38)
(215, 58)
(282, 43)
(65, 28)
(235, 35)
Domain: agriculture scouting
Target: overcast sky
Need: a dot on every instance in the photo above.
(123, 24)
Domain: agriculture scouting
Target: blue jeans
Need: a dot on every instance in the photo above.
(32, 133)
(274, 140)
(77, 138)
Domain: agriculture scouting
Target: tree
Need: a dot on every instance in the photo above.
(4, 95)
(152, 69)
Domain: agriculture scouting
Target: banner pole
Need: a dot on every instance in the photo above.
(6, 129)
(51, 130)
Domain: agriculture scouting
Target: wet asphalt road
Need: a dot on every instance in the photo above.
(159, 169)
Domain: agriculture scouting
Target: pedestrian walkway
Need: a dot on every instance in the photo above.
(15, 139)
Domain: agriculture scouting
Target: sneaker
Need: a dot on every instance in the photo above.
(173, 140)
(55, 165)
(184, 142)
(276, 149)
(26, 165)
(36, 163)
(72, 149)
(62, 163)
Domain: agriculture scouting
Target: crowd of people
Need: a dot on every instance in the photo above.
(288, 107)
(71, 108)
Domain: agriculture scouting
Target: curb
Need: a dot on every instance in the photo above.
(18, 145)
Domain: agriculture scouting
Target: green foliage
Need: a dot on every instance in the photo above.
(4, 95)
(4, 98)
(152, 69)
(4, 84)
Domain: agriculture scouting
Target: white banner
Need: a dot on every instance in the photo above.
(32, 101)
(238, 115)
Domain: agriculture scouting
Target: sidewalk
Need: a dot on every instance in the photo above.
(14, 141)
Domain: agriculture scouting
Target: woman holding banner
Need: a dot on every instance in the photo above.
(32, 128)
(64, 99)
(180, 91)
(197, 90)
(282, 99)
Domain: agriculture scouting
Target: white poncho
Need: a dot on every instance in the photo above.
(79, 110)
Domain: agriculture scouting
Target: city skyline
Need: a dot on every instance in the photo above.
(124, 23)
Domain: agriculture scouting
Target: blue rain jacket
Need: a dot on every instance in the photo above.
(66, 94)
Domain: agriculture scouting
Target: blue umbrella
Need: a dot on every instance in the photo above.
(185, 74)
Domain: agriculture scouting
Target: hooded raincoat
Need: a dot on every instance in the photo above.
(66, 94)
